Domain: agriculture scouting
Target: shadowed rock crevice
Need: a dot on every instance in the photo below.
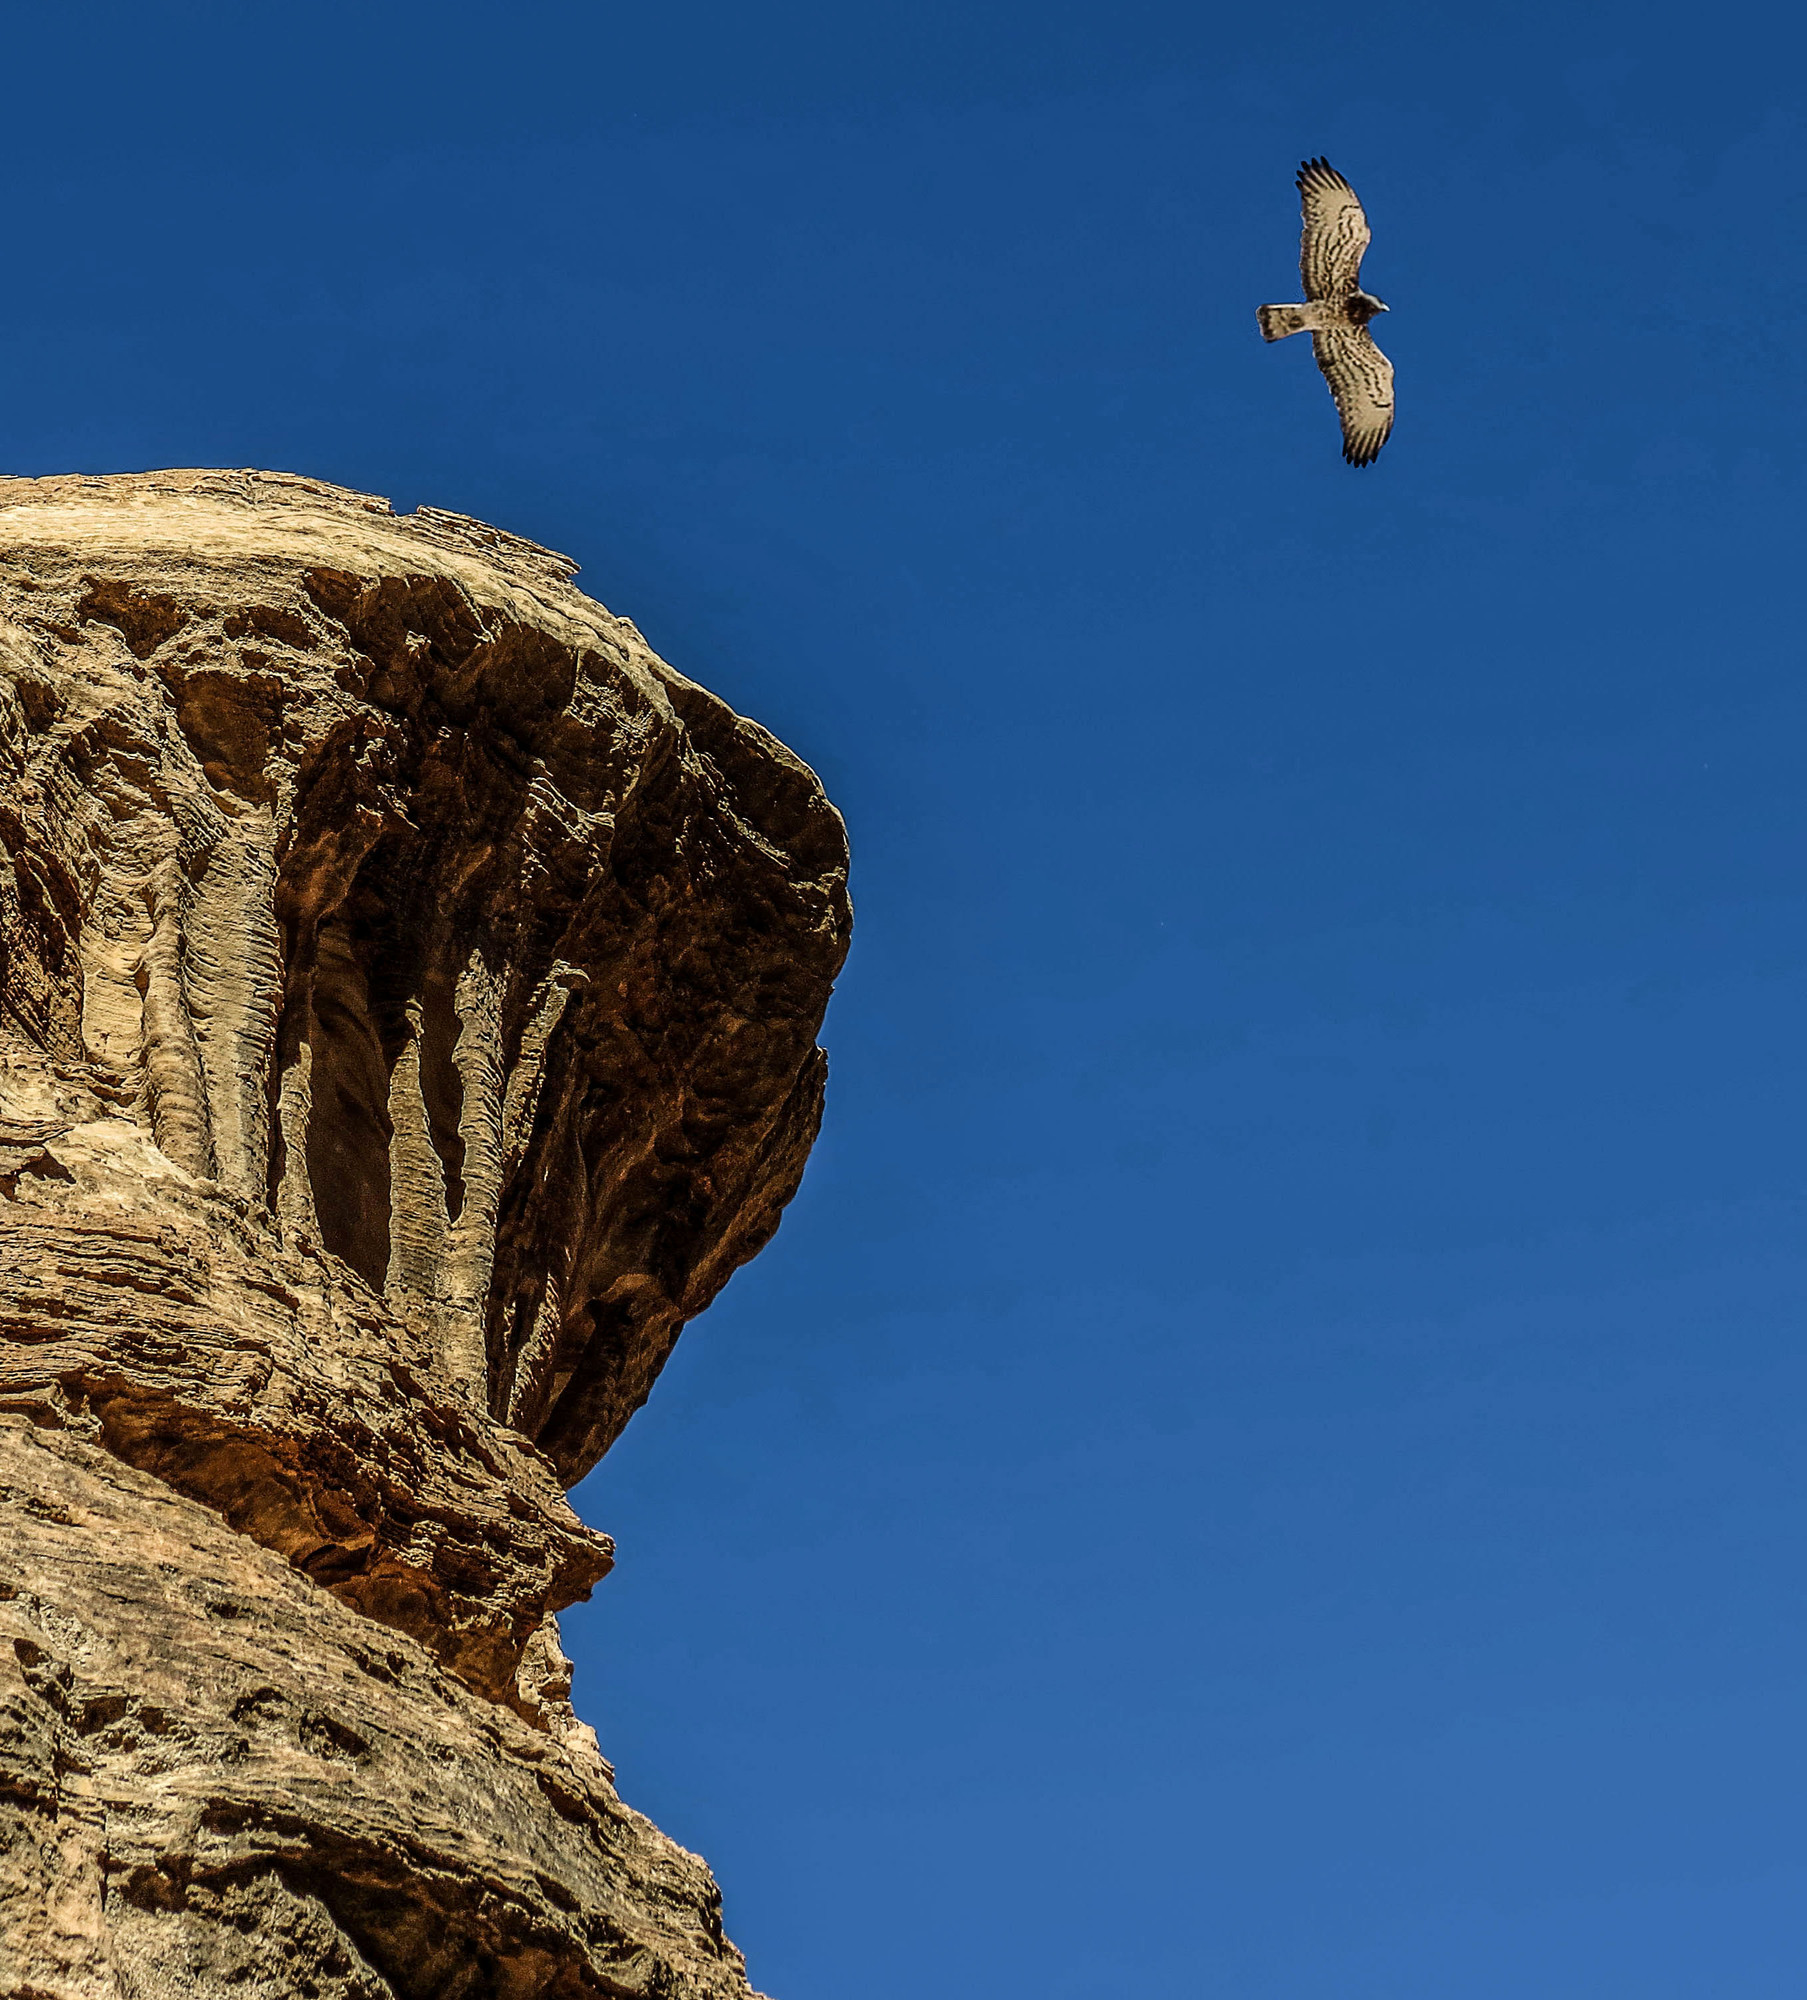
(408, 998)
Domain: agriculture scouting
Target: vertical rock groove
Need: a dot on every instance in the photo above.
(408, 998)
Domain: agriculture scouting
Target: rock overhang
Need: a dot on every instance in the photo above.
(418, 970)
(408, 996)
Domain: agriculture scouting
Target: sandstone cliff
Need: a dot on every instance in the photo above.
(408, 998)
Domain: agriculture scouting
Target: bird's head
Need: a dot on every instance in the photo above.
(1367, 305)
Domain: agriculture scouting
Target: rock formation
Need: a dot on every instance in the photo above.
(408, 997)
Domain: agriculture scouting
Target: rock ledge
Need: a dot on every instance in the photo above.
(408, 997)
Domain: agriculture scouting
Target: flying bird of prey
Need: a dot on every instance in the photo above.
(1336, 311)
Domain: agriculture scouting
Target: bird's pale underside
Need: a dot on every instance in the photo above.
(1336, 311)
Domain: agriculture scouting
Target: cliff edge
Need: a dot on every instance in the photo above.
(408, 997)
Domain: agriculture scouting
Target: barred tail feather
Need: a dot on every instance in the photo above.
(1278, 321)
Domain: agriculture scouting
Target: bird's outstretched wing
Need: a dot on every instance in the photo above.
(1335, 235)
(1361, 380)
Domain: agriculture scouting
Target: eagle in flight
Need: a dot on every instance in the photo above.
(1337, 311)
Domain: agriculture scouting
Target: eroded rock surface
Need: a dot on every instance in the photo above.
(408, 998)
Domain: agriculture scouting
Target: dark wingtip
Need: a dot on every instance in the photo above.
(1318, 172)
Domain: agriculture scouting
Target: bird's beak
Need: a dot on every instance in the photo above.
(1384, 309)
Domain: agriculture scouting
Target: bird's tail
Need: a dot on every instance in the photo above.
(1278, 321)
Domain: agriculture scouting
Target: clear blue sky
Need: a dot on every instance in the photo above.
(1266, 1461)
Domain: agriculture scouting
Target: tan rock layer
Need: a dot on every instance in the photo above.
(214, 1777)
(408, 997)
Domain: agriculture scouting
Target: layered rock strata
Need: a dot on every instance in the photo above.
(408, 997)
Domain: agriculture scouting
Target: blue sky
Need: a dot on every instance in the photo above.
(1266, 1460)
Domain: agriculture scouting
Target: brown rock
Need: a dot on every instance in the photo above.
(408, 998)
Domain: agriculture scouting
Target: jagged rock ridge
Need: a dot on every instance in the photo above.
(408, 998)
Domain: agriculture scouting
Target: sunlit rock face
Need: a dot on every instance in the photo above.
(408, 997)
